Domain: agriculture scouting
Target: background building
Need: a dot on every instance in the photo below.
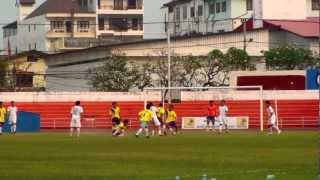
(212, 16)
(120, 19)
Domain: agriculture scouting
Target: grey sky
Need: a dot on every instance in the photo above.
(152, 14)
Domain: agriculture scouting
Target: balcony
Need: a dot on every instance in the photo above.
(121, 7)
(62, 33)
(121, 33)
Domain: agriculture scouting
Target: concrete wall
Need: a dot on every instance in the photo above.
(38, 68)
(36, 37)
(24, 11)
(13, 44)
(75, 96)
(70, 78)
(310, 12)
(154, 96)
(284, 9)
(235, 74)
(231, 94)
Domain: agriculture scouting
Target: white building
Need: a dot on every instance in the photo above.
(58, 25)
(210, 16)
(120, 19)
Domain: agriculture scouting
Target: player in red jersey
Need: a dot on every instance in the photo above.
(211, 115)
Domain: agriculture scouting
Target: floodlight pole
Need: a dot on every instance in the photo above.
(169, 66)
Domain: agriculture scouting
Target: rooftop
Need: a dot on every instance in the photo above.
(59, 6)
(12, 25)
(308, 28)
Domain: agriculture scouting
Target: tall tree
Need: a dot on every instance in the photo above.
(214, 69)
(113, 75)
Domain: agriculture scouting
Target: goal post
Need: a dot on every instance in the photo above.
(200, 94)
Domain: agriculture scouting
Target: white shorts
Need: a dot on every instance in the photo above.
(223, 120)
(75, 123)
(272, 120)
(156, 121)
(12, 120)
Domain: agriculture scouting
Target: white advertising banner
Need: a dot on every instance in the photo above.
(201, 122)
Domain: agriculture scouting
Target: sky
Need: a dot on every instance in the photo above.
(152, 8)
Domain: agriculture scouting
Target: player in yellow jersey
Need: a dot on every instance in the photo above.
(2, 116)
(145, 116)
(161, 112)
(171, 117)
(120, 129)
(115, 114)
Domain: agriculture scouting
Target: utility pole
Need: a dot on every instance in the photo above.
(244, 22)
(169, 65)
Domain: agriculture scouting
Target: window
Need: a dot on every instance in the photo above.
(29, 46)
(34, 27)
(29, 28)
(83, 26)
(224, 6)
(200, 10)
(132, 4)
(218, 9)
(118, 4)
(57, 26)
(178, 14)
(135, 24)
(101, 23)
(212, 9)
(315, 5)
(69, 26)
(35, 46)
(249, 5)
(185, 12)
(118, 24)
(24, 79)
(83, 3)
(192, 13)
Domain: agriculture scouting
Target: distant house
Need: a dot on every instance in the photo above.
(54, 26)
(28, 70)
(61, 25)
(211, 16)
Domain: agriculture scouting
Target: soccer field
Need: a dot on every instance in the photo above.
(238, 155)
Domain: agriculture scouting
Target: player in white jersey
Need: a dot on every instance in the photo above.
(155, 120)
(12, 117)
(75, 123)
(223, 120)
(272, 119)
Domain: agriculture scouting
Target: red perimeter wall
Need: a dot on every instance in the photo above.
(291, 113)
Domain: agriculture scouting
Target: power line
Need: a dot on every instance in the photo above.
(172, 22)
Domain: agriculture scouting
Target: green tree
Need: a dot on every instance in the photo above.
(114, 75)
(289, 58)
(3, 74)
(214, 69)
(189, 68)
(238, 59)
(144, 75)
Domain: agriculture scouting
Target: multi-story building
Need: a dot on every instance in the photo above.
(58, 25)
(54, 26)
(120, 19)
(211, 16)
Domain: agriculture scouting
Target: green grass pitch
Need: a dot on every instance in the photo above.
(237, 155)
